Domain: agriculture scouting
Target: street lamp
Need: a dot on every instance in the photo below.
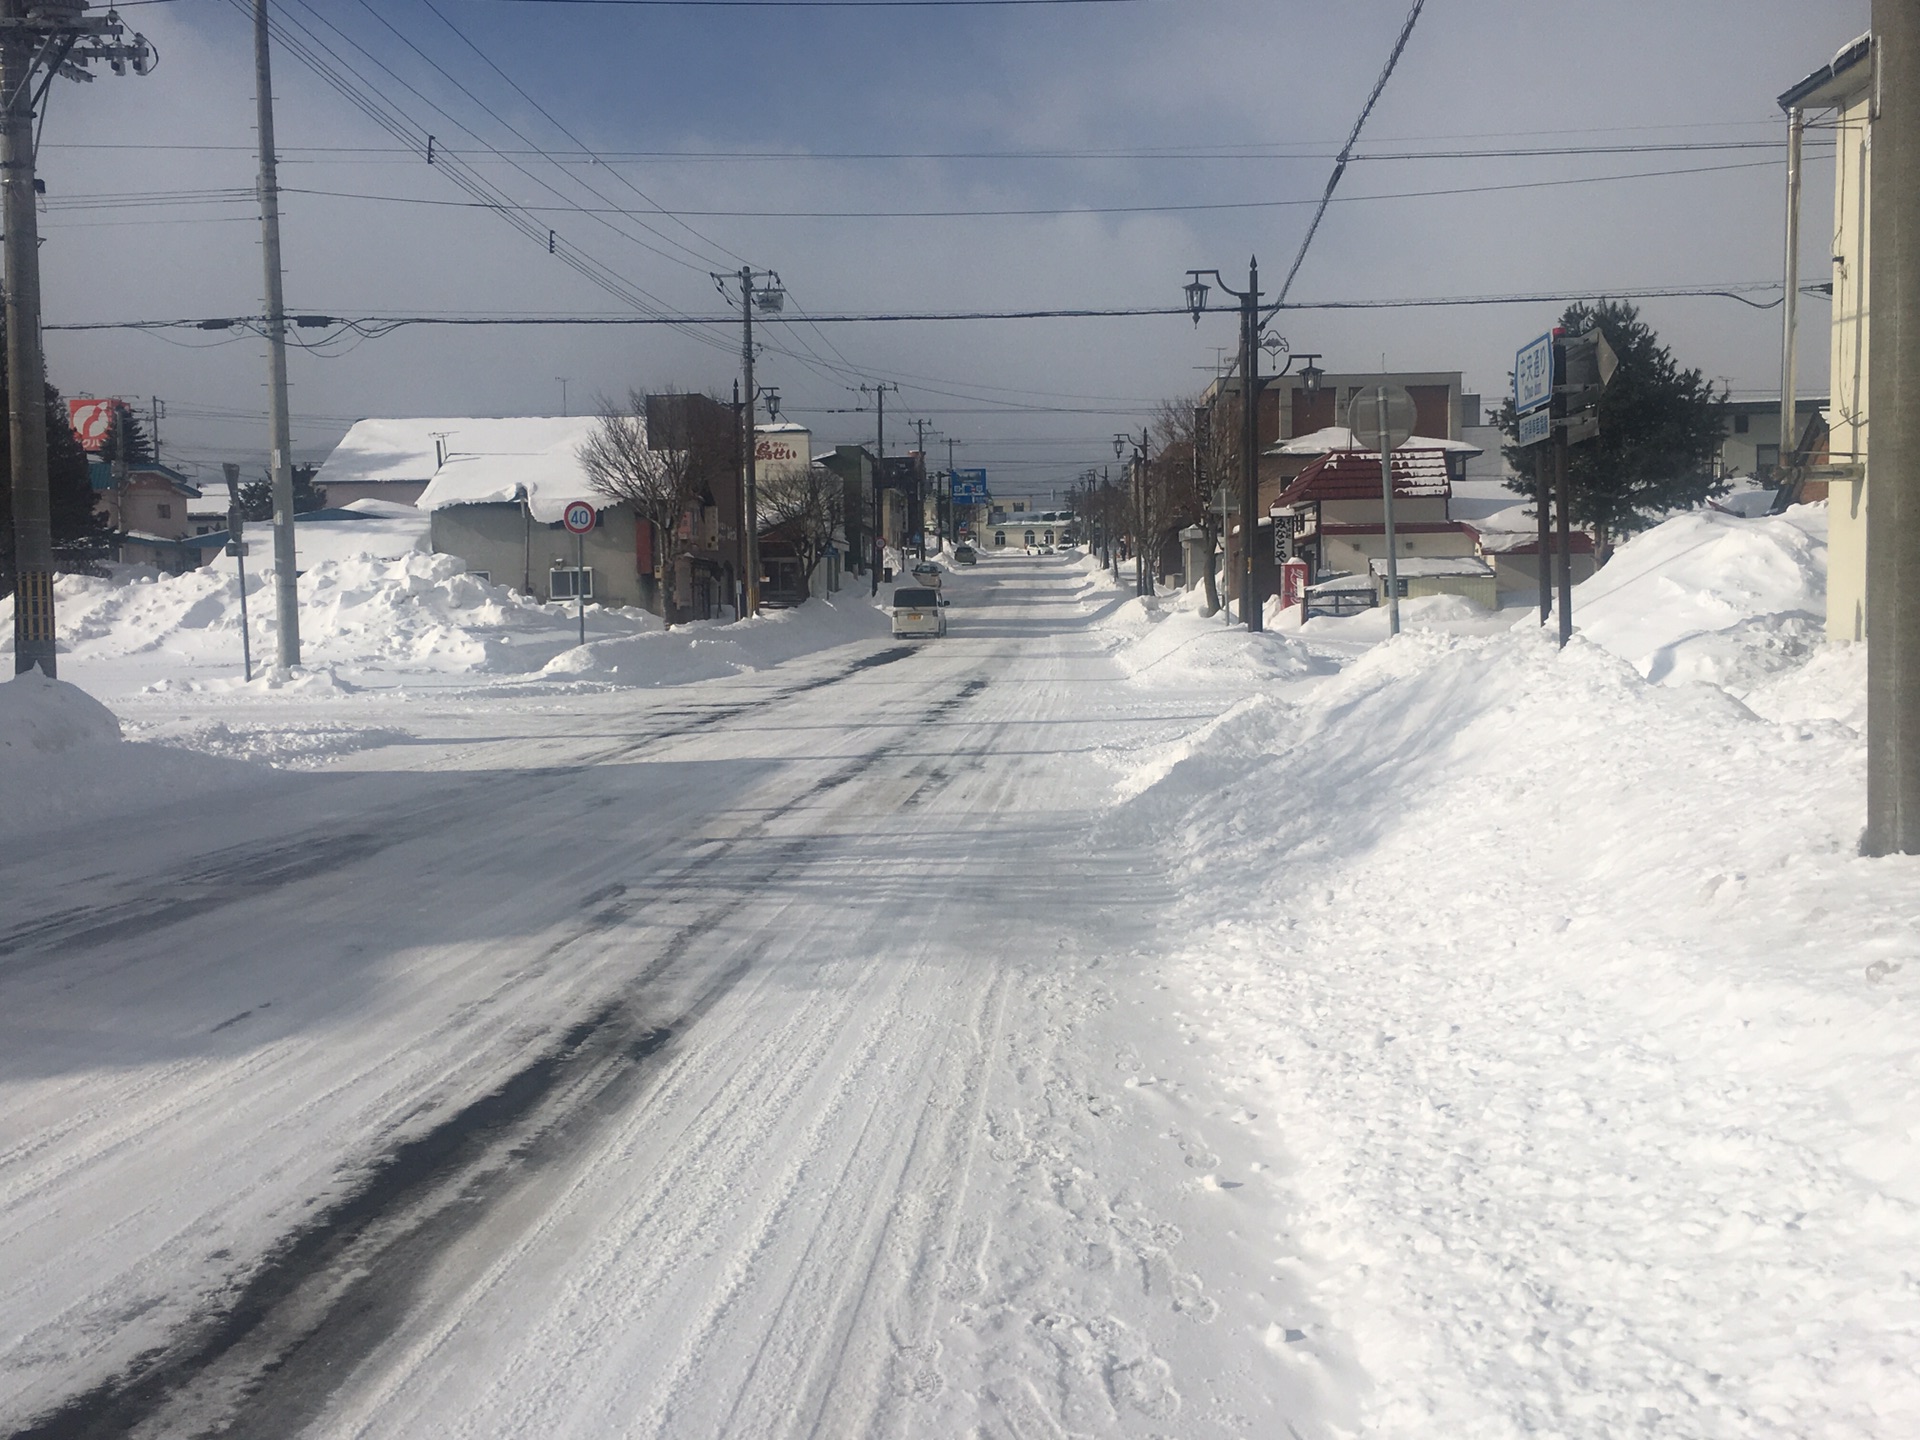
(1122, 441)
(1249, 365)
(1196, 295)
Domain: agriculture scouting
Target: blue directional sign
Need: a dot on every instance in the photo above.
(969, 487)
(1533, 375)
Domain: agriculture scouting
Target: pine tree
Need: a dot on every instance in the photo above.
(256, 496)
(1660, 431)
(78, 531)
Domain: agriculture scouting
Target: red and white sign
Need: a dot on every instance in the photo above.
(92, 422)
(579, 517)
(1293, 585)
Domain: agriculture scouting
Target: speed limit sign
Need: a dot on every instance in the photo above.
(579, 517)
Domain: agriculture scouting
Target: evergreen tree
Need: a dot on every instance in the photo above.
(256, 496)
(78, 532)
(1660, 431)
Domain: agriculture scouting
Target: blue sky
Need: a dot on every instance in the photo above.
(1160, 75)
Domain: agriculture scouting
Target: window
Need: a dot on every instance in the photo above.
(1047, 538)
(999, 537)
(1029, 537)
(1740, 423)
(1766, 457)
(567, 583)
(165, 512)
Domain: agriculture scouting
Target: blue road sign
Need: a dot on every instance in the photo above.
(969, 487)
(1533, 375)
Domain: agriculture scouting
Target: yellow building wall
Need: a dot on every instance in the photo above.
(1847, 416)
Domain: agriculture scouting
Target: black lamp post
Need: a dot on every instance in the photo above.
(1196, 290)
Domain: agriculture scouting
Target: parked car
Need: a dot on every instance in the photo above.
(916, 612)
(965, 555)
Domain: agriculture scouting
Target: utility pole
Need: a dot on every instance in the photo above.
(286, 570)
(1250, 607)
(1893, 529)
(1790, 303)
(920, 500)
(767, 296)
(38, 40)
(953, 518)
(879, 392)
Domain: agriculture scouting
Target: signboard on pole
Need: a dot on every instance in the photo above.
(92, 422)
(1535, 426)
(969, 487)
(578, 517)
(1533, 376)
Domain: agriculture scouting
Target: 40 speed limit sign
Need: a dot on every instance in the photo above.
(579, 517)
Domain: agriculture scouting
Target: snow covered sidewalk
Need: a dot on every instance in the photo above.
(1582, 1042)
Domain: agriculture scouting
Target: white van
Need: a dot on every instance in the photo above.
(916, 613)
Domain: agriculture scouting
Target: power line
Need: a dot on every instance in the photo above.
(1346, 151)
(375, 326)
(1038, 211)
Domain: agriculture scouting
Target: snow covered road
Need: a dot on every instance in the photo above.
(775, 1055)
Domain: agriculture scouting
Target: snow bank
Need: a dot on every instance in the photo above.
(1712, 596)
(409, 615)
(1580, 1035)
(63, 762)
(1166, 639)
(39, 716)
(709, 649)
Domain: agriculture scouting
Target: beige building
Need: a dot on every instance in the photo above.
(1839, 95)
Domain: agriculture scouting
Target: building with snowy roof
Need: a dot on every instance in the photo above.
(1337, 513)
(495, 489)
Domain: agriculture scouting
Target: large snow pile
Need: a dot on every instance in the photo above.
(39, 716)
(63, 763)
(1581, 1042)
(1712, 596)
(414, 615)
(707, 650)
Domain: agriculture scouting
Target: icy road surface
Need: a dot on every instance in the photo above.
(770, 1056)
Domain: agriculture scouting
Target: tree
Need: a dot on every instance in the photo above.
(256, 496)
(662, 455)
(806, 505)
(1199, 452)
(1660, 431)
(79, 533)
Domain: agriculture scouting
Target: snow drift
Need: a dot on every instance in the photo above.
(1586, 1033)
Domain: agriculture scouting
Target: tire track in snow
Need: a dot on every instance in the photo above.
(415, 1201)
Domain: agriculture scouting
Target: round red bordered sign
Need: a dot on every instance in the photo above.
(579, 517)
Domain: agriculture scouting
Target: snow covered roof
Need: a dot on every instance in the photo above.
(1338, 437)
(1436, 567)
(1355, 475)
(1513, 531)
(488, 460)
(1342, 584)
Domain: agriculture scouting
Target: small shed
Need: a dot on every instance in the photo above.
(1462, 575)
